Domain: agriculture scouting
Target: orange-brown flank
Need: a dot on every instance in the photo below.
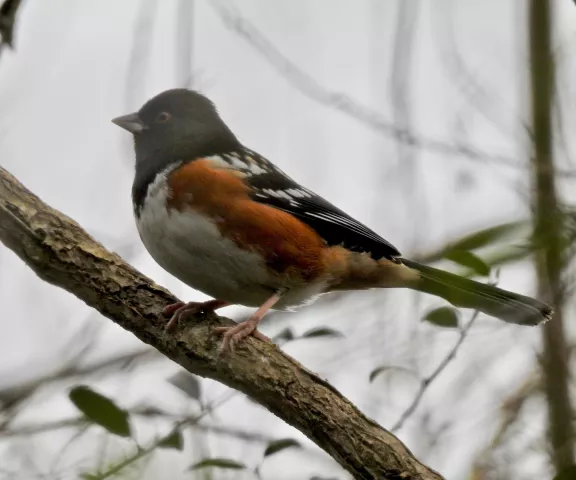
(289, 246)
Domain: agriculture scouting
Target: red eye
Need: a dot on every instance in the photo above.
(163, 117)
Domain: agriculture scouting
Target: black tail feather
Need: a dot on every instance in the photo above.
(463, 292)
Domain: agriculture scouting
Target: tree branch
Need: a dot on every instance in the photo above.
(63, 254)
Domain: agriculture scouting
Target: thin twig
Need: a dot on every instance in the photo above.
(426, 382)
(16, 394)
(143, 452)
(36, 429)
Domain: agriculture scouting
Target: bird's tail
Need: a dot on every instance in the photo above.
(463, 292)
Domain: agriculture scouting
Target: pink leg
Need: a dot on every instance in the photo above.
(232, 335)
(177, 310)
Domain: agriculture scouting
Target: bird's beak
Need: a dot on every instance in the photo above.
(131, 122)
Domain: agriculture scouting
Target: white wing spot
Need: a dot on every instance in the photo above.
(298, 193)
(237, 163)
(283, 194)
(256, 169)
(218, 161)
(272, 193)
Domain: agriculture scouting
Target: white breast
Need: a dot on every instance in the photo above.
(189, 246)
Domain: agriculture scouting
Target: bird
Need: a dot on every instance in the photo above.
(228, 222)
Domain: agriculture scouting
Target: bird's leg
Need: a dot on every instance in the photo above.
(177, 310)
(232, 335)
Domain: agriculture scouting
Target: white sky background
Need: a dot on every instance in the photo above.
(68, 78)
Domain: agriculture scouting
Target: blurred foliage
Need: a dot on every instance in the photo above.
(187, 383)
(567, 474)
(279, 445)
(487, 237)
(446, 317)
(8, 12)
(173, 440)
(218, 463)
(101, 410)
(469, 260)
(321, 332)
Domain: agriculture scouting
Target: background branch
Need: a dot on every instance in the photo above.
(8, 11)
(548, 233)
(426, 382)
(310, 87)
(62, 253)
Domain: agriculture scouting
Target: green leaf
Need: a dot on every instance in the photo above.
(507, 255)
(469, 260)
(100, 410)
(173, 440)
(218, 463)
(150, 411)
(188, 383)
(567, 474)
(446, 317)
(486, 236)
(285, 335)
(279, 445)
(321, 332)
(387, 368)
(482, 238)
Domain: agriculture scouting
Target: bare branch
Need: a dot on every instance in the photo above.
(62, 253)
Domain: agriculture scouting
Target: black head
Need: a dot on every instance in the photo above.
(177, 125)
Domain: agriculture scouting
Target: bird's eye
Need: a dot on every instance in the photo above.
(163, 117)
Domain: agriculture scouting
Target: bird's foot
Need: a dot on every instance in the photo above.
(177, 310)
(231, 335)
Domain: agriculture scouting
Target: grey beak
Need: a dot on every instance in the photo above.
(130, 122)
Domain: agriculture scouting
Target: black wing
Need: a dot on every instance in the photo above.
(273, 187)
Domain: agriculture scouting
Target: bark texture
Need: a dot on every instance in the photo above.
(62, 253)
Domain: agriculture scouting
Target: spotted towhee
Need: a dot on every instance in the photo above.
(226, 221)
